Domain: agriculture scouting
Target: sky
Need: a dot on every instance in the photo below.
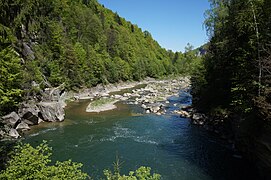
(173, 23)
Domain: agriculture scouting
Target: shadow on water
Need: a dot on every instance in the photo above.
(169, 144)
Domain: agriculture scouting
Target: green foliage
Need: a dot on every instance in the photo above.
(233, 81)
(101, 102)
(142, 173)
(10, 77)
(28, 162)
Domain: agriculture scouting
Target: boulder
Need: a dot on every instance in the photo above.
(51, 111)
(144, 106)
(155, 109)
(11, 119)
(30, 114)
(22, 126)
(13, 133)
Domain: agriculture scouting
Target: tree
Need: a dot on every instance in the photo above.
(10, 78)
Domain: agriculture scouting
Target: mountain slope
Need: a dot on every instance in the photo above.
(76, 42)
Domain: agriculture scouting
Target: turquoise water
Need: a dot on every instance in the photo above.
(168, 144)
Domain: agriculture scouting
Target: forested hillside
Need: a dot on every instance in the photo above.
(233, 84)
(78, 43)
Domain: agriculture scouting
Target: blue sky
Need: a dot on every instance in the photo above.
(173, 23)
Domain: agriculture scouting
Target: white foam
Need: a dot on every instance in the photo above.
(42, 132)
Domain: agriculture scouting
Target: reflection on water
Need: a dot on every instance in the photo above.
(169, 144)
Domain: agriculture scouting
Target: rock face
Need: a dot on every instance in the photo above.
(11, 119)
(32, 113)
(51, 111)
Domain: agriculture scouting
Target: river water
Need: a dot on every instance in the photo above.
(168, 144)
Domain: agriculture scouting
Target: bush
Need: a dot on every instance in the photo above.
(28, 162)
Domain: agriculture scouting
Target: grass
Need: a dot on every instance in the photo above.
(101, 102)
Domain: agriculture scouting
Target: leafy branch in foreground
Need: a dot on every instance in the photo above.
(142, 173)
(28, 162)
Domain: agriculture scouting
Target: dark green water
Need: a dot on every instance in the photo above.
(168, 144)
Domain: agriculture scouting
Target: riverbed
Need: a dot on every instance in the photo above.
(168, 144)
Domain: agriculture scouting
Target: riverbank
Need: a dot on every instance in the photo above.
(51, 103)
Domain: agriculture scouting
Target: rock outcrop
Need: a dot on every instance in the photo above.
(33, 112)
(51, 111)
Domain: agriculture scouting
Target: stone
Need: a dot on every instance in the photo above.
(2, 133)
(198, 119)
(104, 95)
(183, 113)
(13, 133)
(22, 126)
(29, 112)
(155, 109)
(11, 119)
(144, 106)
(118, 96)
(51, 111)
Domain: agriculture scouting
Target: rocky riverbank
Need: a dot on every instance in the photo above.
(152, 98)
(51, 103)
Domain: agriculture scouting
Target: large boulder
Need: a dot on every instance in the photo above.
(29, 113)
(11, 119)
(51, 111)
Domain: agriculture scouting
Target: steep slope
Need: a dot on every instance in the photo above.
(80, 43)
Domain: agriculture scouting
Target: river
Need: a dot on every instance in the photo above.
(168, 144)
